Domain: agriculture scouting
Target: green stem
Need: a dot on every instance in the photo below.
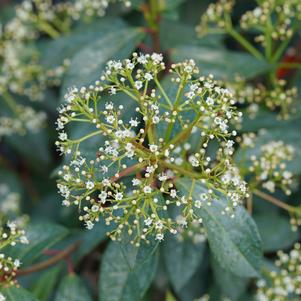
(289, 65)
(87, 137)
(163, 92)
(48, 29)
(182, 171)
(246, 44)
(175, 108)
(11, 102)
(276, 202)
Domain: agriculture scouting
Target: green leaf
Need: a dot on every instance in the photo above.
(54, 51)
(270, 223)
(45, 284)
(72, 288)
(41, 236)
(229, 284)
(24, 145)
(235, 242)
(186, 35)
(221, 63)
(182, 259)
(198, 283)
(17, 294)
(126, 271)
(88, 64)
(9, 178)
(266, 119)
(91, 238)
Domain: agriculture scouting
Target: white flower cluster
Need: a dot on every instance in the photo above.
(21, 73)
(11, 233)
(26, 119)
(278, 16)
(277, 98)
(145, 144)
(285, 282)
(35, 16)
(215, 17)
(271, 18)
(269, 166)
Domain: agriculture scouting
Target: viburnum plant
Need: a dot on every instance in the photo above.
(150, 150)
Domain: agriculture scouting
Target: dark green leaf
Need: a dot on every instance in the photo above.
(41, 236)
(17, 294)
(221, 63)
(235, 242)
(72, 288)
(45, 284)
(230, 285)
(126, 271)
(91, 238)
(88, 64)
(186, 35)
(198, 283)
(270, 223)
(56, 50)
(182, 259)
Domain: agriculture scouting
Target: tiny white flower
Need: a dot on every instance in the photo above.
(89, 225)
(160, 236)
(210, 101)
(138, 84)
(148, 221)
(147, 189)
(119, 196)
(153, 148)
(17, 263)
(157, 57)
(110, 119)
(134, 122)
(90, 185)
(148, 76)
(136, 182)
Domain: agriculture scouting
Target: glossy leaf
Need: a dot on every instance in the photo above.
(221, 63)
(17, 294)
(72, 288)
(229, 284)
(88, 64)
(268, 224)
(182, 258)
(54, 51)
(235, 242)
(126, 271)
(91, 238)
(45, 284)
(41, 236)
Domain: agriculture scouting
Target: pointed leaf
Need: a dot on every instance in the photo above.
(235, 242)
(182, 259)
(88, 64)
(220, 62)
(72, 288)
(41, 236)
(17, 294)
(127, 271)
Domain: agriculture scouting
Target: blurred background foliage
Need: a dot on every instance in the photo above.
(93, 267)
